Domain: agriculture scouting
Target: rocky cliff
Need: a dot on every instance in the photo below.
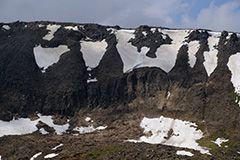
(72, 70)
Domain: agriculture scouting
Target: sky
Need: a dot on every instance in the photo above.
(205, 14)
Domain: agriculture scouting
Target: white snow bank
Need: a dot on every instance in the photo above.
(52, 29)
(51, 155)
(166, 54)
(93, 52)
(215, 34)
(45, 57)
(88, 129)
(0, 157)
(238, 152)
(184, 153)
(193, 47)
(172, 132)
(210, 56)
(219, 141)
(25, 126)
(35, 156)
(6, 27)
(234, 67)
(72, 28)
(60, 145)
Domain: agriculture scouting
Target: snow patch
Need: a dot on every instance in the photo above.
(172, 132)
(238, 152)
(93, 52)
(184, 153)
(234, 65)
(88, 119)
(46, 57)
(52, 29)
(1, 157)
(41, 25)
(144, 33)
(72, 28)
(60, 145)
(51, 155)
(23, 126)
(43, 131)
(92, 80)
(219, 141)
(34, 156)
(166, 54)
(193, 47)
(215, 34)
(6, 27)
(210, 56)
(88, 129)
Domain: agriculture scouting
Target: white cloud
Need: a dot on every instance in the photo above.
(222, 17)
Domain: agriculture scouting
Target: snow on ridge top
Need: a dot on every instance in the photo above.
(182, 133)
(52, 29)
(72, 28)
(6, 27)
(234, 65)
(45, 57)
(93, 52)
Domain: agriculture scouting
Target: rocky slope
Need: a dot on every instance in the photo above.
(117, 77)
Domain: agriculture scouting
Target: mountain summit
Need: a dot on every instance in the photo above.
(106, 92)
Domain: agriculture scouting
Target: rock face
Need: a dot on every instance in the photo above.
(181, 68)
(64, 68)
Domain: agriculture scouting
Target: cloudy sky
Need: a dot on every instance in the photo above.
(208, 14)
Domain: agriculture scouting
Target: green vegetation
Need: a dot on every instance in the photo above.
(100, 153)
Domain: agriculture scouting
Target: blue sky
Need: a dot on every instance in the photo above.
(208, 14)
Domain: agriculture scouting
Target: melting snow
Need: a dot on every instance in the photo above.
(60, 145)
(210, 56)
(166, 54)
(26, 126)
(193, 47)
(234, 65)
(53, 29)
(6, 27)
(93, 52)
(219, 141)
(88, 129)
(51, 155)
(45, 57)
(184, 153)
(72, 28)
(35, 156)
(172, 132)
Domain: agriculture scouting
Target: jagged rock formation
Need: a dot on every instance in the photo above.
(180, 73)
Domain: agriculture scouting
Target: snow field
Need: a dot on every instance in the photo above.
(88, 129)
(52, 29)
(26, 126)
(60, 145)
(93, 52)
(219, 141)
(166, 54)
(184, 153)
(46, 57)
(234, 67)
(210, 56)
(172, 132)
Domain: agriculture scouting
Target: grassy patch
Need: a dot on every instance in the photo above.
(100, 153)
